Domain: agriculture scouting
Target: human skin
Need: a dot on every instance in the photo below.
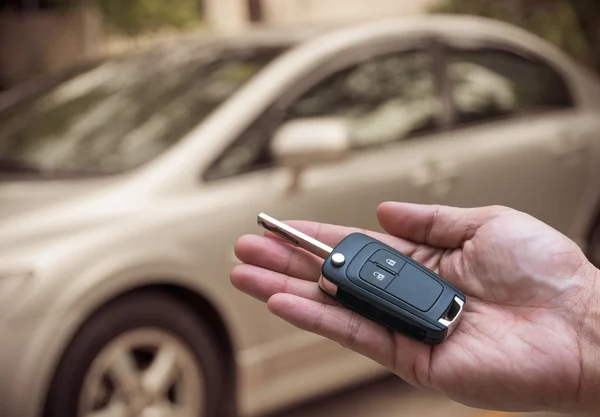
(529, 336)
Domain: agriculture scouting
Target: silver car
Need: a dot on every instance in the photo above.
(125, 184)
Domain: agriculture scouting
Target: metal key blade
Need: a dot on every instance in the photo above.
(294, 236)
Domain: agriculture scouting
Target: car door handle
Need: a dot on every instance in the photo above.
(435, 176)
(568, 144)
(569, 148)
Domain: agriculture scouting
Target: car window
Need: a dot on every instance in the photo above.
(489, 84)
(385, 99)
(124, 112)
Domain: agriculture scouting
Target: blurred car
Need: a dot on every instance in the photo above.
(125, 185)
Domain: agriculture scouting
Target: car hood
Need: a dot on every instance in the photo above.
(32, 212)
(20, 197)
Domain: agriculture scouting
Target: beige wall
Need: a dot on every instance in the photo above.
(36, 42)
(231, 15)
(305, 11)
(226, 15)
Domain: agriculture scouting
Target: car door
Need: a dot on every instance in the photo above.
(517, 137)
(391, 97)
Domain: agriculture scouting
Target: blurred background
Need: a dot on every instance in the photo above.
(135, 146)
(40, 36)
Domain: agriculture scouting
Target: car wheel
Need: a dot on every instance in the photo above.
(594, 246)
(145, 354)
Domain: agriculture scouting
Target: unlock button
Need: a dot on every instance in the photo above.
(387, 260)
(376, 275)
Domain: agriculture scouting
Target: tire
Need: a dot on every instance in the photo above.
(144, 319)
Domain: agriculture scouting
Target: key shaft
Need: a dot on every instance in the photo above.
(294, 236)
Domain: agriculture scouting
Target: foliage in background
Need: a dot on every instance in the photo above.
(588, 15)
(133, 17)
(573, 25)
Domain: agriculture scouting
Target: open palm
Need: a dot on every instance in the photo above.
(518, 345)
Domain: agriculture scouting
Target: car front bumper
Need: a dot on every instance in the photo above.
(27, 359)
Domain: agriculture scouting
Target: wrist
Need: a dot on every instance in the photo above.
(588, 392)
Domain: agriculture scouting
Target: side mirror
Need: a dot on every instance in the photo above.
(305, 142)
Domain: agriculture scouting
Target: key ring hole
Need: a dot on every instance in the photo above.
(453, 312)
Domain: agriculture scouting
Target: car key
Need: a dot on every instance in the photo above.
(381, 284)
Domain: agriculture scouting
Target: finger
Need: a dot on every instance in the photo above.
(262, 284)
(396, 352)
(274, 253)
(332, 235)
(278, 256)
(328, 234)
(434, 225)
(336, 323)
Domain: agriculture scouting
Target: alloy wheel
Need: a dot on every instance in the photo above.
(146, 373)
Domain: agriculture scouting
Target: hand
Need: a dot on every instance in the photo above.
(526, 338)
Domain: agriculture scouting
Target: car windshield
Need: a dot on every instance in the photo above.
(124, 112)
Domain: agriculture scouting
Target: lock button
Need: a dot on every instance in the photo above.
(388, 260)
(375, 275)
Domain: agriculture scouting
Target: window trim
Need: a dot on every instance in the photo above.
(272, 115)
(449, 45)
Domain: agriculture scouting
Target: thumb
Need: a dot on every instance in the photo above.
(435, 225)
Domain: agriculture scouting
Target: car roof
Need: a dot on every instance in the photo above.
(469, 25)
(469, 30)
(466, 27)
(448, 25)
(318, 36)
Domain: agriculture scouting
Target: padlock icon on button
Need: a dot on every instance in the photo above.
(379, 275)
(390, 262)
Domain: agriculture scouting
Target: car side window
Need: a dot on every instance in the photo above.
(489, 84)
(384, 99)
(389, 98)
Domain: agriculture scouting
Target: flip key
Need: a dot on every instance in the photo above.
(381, 284)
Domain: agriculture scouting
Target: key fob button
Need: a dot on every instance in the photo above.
(375, 275)
(416, 288)
(388, 260)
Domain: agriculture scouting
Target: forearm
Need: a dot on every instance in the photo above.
(588, 391)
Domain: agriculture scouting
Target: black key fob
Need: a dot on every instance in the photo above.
(388, 287)
(382, 284)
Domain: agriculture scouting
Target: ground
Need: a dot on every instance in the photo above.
(390, 397)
